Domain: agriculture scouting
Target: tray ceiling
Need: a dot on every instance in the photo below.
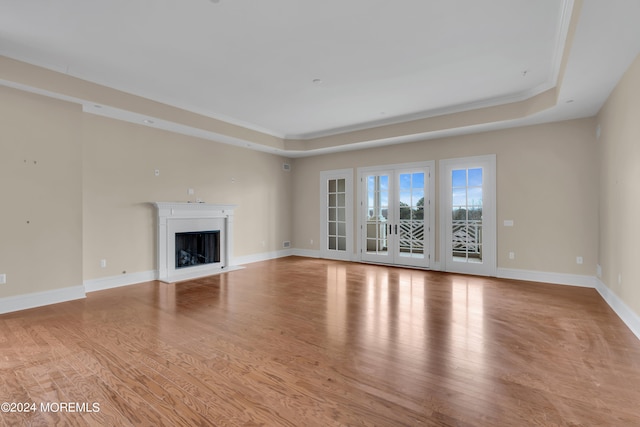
(313, 71)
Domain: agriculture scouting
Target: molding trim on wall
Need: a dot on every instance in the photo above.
(110, 282)
(628, 316)
(306, 252)
(263, 256)
(544, 277)
(119, 280)
(39, 299)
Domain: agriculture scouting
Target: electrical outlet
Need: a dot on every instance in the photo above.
(579, 260)
(190, 191)
(103, 263)
(512, 255)
(3, 279)
(157, 172)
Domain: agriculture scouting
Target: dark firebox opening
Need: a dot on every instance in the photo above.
(197, 248)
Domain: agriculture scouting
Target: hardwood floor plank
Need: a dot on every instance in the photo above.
(198, 414)
(82, 389)
(13, 391)
(298, 341)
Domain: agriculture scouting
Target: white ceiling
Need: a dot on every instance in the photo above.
(254, 62)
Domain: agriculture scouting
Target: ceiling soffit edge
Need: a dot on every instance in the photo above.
(448, 122)
(108, 102)
(564, 36)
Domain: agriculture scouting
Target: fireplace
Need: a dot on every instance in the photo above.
(194, 240)
(197, 248)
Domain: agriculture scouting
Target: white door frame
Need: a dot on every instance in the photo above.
(489, 265)
(429, 205)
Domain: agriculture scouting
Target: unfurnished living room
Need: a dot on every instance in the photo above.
(289, 213)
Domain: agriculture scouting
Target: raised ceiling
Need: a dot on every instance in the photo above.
(300, 78)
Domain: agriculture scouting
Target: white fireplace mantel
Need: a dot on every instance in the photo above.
(176, 217)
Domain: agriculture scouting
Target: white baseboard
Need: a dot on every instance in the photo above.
(306, 252)
(39, 299)
(110, 282)
(545, 277)
(263, 256)
(627, 315)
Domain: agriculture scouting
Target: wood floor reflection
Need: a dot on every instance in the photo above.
(308, 342)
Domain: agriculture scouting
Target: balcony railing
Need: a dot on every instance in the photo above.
(411, 236)
(467, 238)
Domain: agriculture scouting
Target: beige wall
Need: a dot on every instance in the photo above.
(41, 190)
(546, 183)
(85, 184)
(619, 154)
(119, 185)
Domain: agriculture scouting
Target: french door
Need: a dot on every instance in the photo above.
(396, 217)
(336, 217)
(467, 215)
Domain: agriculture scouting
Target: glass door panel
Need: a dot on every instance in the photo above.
(336, 215)
(377, 216)
(393, 216)
(468, 213)
(411, 224)
(337, 220)
(466, 224)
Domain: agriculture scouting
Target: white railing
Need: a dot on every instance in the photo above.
(467, 238)
(412, 236)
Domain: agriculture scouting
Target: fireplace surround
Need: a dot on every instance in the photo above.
(193, 219)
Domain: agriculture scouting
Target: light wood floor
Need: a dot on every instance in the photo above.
(307, 342)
